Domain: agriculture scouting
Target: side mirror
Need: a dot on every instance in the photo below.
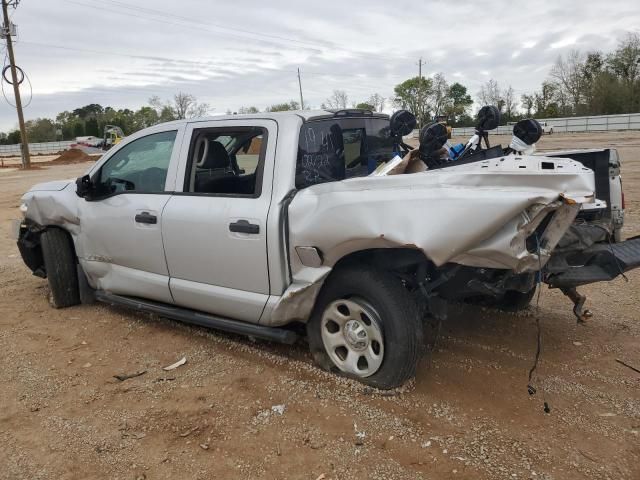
(488, 118)
(84, 186)
(528, 130)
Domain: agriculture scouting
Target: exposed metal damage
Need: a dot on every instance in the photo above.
(478, 215)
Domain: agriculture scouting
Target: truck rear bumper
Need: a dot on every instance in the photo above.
(599, 263)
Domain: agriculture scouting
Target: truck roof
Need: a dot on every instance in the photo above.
(304, 114)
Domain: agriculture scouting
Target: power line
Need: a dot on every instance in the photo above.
(215, 25)
(303, 44)
(196, 62)
(239, 33)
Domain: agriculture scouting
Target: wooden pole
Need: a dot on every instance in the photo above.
(26, 160)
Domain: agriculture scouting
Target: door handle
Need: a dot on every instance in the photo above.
(146, 217)
(243, 226)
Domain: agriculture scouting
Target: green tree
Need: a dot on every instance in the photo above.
(365, 106)
(41, 130)
(284, 107)
(245, 110)
(145, 117)
(91, 127)
(414, 95)
(460, 102)
(527, 101)
(78, 129)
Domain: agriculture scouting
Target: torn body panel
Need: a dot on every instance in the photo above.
(479, 215)
(451, 214)
(53, 203)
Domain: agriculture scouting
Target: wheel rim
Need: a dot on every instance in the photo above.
(352, 336)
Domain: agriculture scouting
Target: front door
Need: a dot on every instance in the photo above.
(120, 239)
(214, 231)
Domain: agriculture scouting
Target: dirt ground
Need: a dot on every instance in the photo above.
(239, 409)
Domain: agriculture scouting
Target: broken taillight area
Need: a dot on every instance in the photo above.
(533, 241)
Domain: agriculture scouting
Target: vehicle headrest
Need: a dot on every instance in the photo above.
(217, 157)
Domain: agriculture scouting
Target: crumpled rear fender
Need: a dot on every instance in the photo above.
(478, 215)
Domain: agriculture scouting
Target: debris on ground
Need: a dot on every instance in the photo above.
(627, 365)
(127, 376)
(188, 432)
(173, 366)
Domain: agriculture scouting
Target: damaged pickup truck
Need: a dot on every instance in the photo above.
(262, 224)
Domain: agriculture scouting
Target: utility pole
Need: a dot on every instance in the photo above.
(420, 62)
(300, 85)
(6, 32)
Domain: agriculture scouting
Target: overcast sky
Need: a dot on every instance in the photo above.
(245, 52)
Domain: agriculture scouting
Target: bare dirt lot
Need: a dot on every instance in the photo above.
(239, 409)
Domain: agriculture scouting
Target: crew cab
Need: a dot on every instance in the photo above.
(257, 224)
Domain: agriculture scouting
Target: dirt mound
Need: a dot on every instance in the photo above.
(73, 155)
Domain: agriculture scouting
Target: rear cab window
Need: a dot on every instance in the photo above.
(332, 149)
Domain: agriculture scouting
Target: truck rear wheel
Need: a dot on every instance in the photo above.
(60, 265)
(367, 326)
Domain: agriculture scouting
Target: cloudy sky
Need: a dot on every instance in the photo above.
(246, 52)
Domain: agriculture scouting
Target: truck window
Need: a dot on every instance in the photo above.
(333, 149)
(226, 161)
(140, 167)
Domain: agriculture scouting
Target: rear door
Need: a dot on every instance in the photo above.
(214, 226)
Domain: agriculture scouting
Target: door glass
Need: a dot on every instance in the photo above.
(226, 161)
(248, 155)
(141, 166)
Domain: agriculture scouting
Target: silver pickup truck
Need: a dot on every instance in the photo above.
(262, 224)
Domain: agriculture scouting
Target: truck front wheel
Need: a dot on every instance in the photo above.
(367, 326)
(60, 265)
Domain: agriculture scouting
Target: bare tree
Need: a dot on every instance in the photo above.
(510, 102)
(338, 100)
(186, 106)
(440, 98)
(490, 94)
(377, 101)
(569, 73)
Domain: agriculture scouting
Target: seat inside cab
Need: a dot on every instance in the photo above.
(225, 162)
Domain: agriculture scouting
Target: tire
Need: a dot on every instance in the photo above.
(551, 132)
(515, 301)
(356, 299)
(60, 265)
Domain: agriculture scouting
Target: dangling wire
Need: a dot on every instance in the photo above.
(530, 388)
(3, 79)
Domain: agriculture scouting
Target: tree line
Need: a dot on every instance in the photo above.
(579, 83)
(91, 119)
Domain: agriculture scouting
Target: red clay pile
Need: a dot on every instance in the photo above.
(73, 155)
